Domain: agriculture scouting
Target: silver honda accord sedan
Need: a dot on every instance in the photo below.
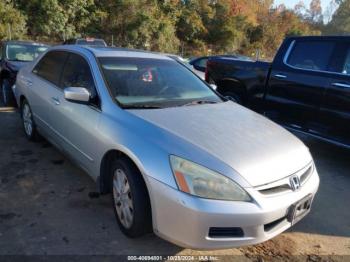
(178, 159)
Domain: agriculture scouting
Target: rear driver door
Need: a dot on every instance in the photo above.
(45, 77)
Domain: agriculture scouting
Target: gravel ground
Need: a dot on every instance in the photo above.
(48, 206)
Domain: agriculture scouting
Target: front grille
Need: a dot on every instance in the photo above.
(305, 176)
(283, 185)
(225, 232)
(275, 190)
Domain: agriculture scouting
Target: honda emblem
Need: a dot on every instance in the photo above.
(295, 183)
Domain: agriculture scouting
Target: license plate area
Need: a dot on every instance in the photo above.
(300, 209)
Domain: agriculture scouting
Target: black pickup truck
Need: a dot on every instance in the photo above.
(306, 88)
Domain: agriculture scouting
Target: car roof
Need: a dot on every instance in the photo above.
(332, 37)
(199, 57)
(85, 38)
(91, 38)
(23, 42)
(100, 51)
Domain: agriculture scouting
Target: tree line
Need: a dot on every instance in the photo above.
(187, 27)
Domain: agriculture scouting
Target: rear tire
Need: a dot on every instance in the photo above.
(7, 94)
(130, 198)
(28, 122)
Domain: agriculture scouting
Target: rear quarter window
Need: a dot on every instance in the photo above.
(202, 62)
(311, 55)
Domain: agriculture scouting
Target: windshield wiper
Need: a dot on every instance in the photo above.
(19, 60)
(144, 106)
(199, 102)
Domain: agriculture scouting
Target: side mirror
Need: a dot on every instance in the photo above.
(77, 94)
(213, 86)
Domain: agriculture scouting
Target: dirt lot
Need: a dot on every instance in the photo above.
(48, 206)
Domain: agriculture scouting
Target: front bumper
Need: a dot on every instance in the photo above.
(185, 220)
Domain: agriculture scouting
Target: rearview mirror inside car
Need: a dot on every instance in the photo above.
(77, 94)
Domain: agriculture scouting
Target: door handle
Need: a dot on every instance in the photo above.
(27, 82)
(281, 76)
(341, 85)
(55, 100)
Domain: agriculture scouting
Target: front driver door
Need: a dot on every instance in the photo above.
(336, 107)
(80, 121)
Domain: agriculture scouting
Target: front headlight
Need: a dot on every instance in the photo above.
(199, 181)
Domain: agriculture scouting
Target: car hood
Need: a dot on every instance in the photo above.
(255, 147)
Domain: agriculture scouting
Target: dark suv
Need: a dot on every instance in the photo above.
(13, 56)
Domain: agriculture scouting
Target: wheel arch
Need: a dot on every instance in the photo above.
(21, 100)
(233, 86)
(103, 178)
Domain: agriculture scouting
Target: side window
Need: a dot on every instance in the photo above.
(202, 63)
(77, 73)
(346, 66)
(0, 51)
(312, 55)
(50, 66)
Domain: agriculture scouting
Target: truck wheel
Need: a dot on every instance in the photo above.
(28, 122)
(130, 199)
(233, 97)
(7, 95)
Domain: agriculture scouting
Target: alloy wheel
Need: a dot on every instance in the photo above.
(27, 120)
(123, 198)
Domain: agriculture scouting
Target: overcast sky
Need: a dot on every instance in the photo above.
(292, 3)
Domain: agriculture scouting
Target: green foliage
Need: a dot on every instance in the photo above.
(340, 23)
(12, 22)
(146, 24)
(58, 19)
(190, 27)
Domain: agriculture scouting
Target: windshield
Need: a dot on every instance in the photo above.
(22, 52)
(145, 82)
(93, 42)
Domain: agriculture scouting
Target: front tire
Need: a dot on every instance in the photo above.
(130, 199)
(28, 122)
(7, 94)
